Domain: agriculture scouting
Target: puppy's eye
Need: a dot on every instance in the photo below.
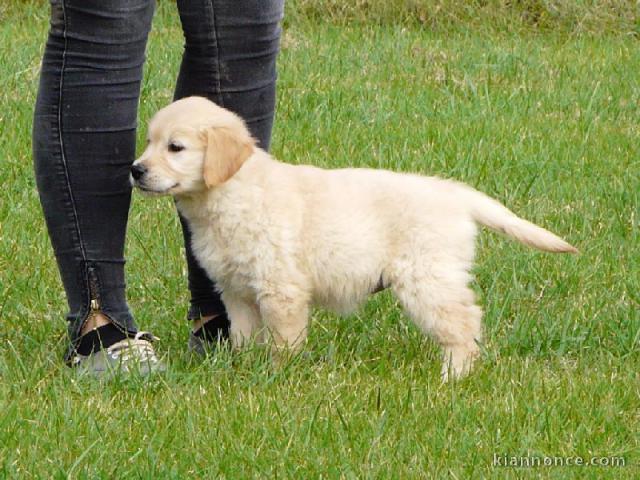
(175, 147)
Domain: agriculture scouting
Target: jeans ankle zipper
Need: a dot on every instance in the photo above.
(94, 299)
(94, 292)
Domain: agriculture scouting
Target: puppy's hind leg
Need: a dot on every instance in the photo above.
(443, 307)
(458, 330)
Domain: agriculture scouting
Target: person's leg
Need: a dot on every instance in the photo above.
(229, 57)
(83, 147)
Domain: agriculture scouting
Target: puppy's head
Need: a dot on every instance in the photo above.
(193, 145)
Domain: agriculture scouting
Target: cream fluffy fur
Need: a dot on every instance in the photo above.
(278, 238)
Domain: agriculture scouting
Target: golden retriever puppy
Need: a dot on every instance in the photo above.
(278, 238)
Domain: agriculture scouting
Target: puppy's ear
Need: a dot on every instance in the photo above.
(227, 149)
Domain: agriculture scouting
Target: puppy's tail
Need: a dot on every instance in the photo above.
(491, 213)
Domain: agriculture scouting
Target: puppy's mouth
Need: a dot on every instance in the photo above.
(151, 191)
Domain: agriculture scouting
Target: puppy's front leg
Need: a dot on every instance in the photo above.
(244, 318)
(286, 319)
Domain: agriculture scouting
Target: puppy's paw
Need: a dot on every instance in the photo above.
(458, 360)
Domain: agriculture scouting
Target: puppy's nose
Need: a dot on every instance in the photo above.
(137, 171)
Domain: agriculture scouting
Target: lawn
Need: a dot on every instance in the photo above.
(545, 119)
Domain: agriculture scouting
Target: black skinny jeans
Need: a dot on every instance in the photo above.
(84, 128)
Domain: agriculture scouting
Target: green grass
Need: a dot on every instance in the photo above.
(544, 120)
(575, 17)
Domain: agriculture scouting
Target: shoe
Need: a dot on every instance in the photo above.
(131, 355)
(207, 338)
(203, 345)
(198, 345)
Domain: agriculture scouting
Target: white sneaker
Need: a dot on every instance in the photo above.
(131, 355)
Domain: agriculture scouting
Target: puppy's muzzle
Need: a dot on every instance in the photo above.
(138, 171)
